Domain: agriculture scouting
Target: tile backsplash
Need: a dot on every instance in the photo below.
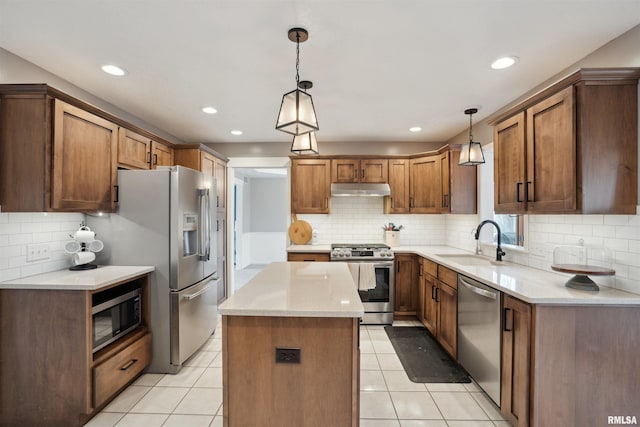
(17, 230)
(360, 220)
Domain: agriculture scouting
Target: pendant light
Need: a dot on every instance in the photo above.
(297, 115)
(305, 143)
(471, 153)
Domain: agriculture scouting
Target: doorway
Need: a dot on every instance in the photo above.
(260, 220)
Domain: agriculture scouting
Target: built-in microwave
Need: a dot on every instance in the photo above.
(115, 313)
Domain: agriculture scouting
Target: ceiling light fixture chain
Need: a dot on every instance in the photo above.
(297, 59)
(471, 123)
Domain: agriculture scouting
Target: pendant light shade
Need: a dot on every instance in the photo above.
(305, 144)
(297, 114)
(471, 153)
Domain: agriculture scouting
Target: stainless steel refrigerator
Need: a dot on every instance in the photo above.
(166, 219)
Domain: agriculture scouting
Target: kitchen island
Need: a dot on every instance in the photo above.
(290, 346)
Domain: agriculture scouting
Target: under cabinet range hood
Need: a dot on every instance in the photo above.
(360, 189)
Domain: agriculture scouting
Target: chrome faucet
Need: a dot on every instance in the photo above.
(499, 252)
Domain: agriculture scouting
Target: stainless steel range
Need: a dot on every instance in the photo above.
(372, 269)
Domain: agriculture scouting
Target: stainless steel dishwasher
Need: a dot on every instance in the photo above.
(479, 334)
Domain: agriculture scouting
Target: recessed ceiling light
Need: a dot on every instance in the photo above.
(236, 132)
(415, 129)
(504, 62)
(114, 70)
(209, 110)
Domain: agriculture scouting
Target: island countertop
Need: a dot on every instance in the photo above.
(297, 289)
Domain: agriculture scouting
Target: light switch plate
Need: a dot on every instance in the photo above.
(37, 252)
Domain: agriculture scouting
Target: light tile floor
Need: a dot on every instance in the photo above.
(193, 397)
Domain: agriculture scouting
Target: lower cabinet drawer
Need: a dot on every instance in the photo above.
(115, 372)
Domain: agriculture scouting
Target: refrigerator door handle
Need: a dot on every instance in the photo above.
(204, 251)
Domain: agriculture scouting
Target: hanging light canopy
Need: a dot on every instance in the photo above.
(297, 115)
(471, 153)
(305, 144)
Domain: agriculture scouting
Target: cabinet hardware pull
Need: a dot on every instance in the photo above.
(217, 225)
(129, 364)
(437, 294)
(526, 192)
(217, 201)
(410, 202)
(117, 189)
(326, 203)
(433, 288)
(504, 320)
(155, 159)
(149, 157)
(420, 270)
(362, 176)
(445, 203)
(518, 192)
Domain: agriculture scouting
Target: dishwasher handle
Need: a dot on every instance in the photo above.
(478, 291)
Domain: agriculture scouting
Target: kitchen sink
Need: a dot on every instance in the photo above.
(467, 259)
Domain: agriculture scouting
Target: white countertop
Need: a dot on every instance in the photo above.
(85, 280)
(297, 289)
(526, 283)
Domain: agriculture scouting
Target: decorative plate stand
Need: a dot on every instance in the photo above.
(580, 280)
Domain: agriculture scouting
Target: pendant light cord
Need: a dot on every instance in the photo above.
(470, 127)
(297, 59)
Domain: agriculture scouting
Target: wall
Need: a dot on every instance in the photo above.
(360, 220)
(17, 230)
(270, 204)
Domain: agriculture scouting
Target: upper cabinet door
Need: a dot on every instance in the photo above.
(220, 172)
(84, 161)
(345, 170)
(134, 150)
(310, 185)
(161, 155)
(551, 154)
(398, 201)
(509, 165)
(374, 170)
(207, 163)
(425, 194)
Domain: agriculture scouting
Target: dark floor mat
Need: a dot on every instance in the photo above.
(423, 359)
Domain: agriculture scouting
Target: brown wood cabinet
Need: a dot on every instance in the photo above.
(406, 285)
(54, 156)
(310, 185)
(552, 363)
(516, 363)
(50, 376)
(359, 170)
(308, 256)
(459, 185)
(425, 188)
(84, 160)
(571, 148)
(398, 201)
(440, 304)
(161, 155)
(136, 151)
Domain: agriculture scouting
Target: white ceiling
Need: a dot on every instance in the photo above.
(378, 66)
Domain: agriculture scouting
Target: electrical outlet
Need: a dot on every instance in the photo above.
(287, 355)
(37, 252)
